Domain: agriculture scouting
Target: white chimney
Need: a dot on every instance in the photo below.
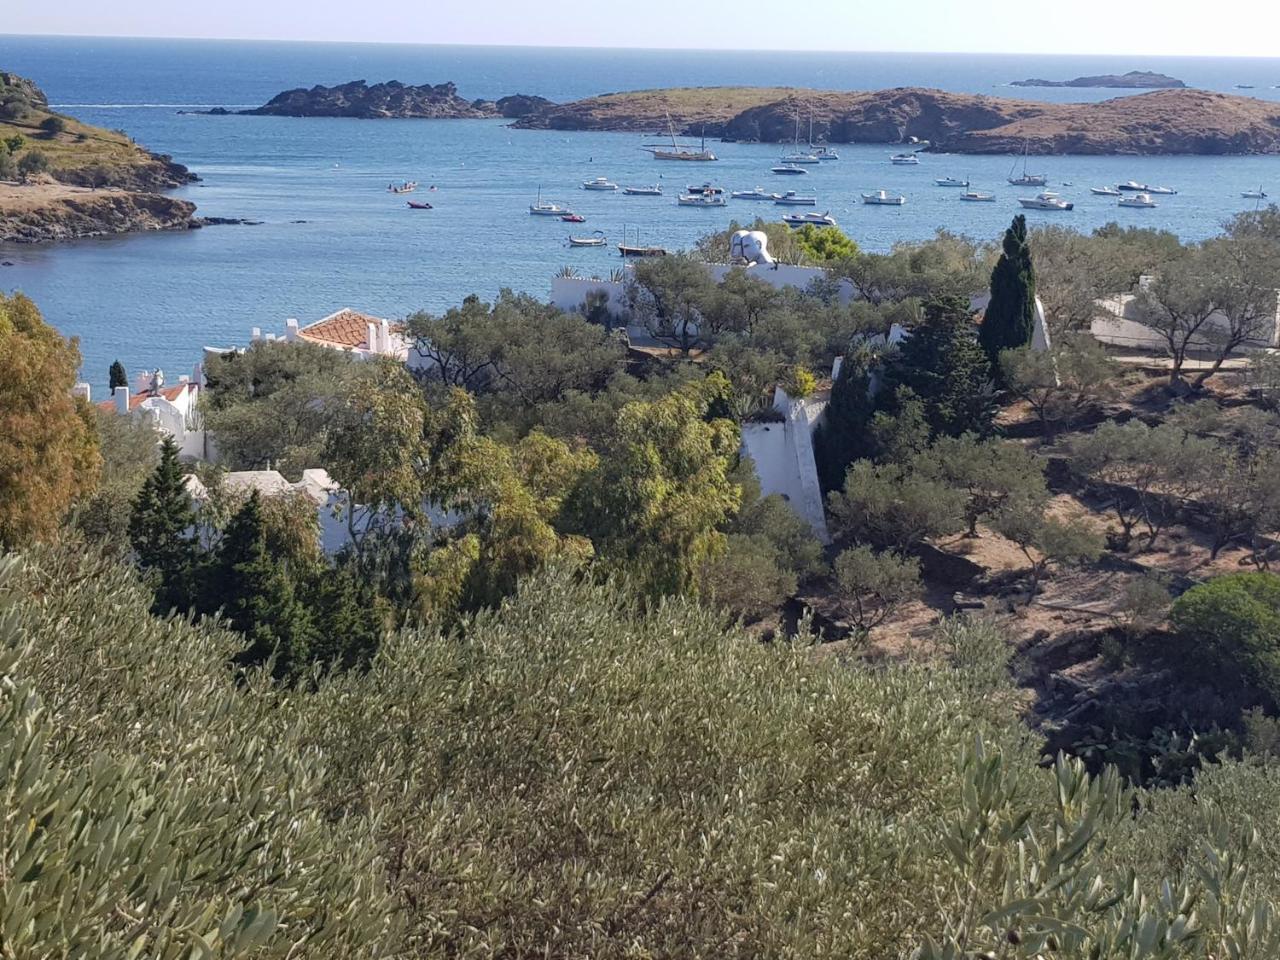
(291, 330)
(371, 337)
(384, 337)
(255, 334)
(82, 390)
(122, 399)
(197, 374)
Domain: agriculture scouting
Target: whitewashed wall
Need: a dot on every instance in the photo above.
(784, 461)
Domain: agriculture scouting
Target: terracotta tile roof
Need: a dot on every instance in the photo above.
(347, 328)
(135, 399)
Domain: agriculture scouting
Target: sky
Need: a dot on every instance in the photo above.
(1134, 27)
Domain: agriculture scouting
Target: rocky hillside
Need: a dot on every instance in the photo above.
(78, 180)
(1133, 80)
(393, 100)
(1161, 122)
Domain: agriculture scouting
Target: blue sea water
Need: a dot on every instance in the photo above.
(332, 236)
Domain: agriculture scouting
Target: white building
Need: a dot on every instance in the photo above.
(172, 409)
(782, 452)
(1121, 323)
(348, 330)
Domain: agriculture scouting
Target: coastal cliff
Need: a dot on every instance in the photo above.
(392, 100)
(1178, 121)
(71, 179)
(1133, 80)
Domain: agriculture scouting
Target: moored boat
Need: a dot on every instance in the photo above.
(787, 170)
(701, 200)
(1025, 179)
(884, 198)
(418, 205)
(1258, 194)
(1105, 191)
(678, 151)
(599, 183)
(758, 193)
(545, 208)
(574, 218)
(793, 199)
(950, 182)
(904, 159)
(977, 196)
(1046, 201)
(407, 187)
(627, 250)
(705, 188)
(809, 218)
(1142, 200)
(597, 239)
(654, 191)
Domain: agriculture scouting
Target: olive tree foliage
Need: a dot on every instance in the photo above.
(989, 472)
(947, 265)
(871, 585)
(895, 506)
(517, 347)
(1046, 540)
(667, 295)
(1063, 383)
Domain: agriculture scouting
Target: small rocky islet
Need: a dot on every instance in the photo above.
(1133, 80)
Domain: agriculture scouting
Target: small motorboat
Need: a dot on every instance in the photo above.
(701, 200)
(1105, 191)
(826, 153)
(805, 158)
(418, 205)
(1258, 194)
(1160, 191)
(793, 199)
(654, 191)
(1046, 201)
(950, 182)
(756, 194)
(407, 187)
(706, 188)
(806, 219)
(596, 239)
(976, 196)
(1142, 200)
(637, 251)
(599, 183)
(1131, 186)
(904, 159)
(884, 198)
(573, 218)
(788, 170)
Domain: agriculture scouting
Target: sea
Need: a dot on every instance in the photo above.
(331, 236)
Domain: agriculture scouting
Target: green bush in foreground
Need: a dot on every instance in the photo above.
(573, 775)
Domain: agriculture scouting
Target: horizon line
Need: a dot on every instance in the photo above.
(639, 49)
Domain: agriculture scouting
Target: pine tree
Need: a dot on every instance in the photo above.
(348, 622)
(118, 376)
(842, 436)
(1011, 314)
(256, 595)
(947, 370)
(161, 531)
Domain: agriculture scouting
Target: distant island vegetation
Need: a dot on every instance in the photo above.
(1178, 120)
(1133, 80)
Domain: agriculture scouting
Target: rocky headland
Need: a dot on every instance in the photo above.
(391, 100)
(1177, 121)
(1133, 80)
(84, 181)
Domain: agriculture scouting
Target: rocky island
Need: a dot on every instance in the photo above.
(61, 179)
(1133, 80)
(391, 100)
(1178, 121)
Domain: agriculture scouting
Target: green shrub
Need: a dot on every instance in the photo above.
(52, 126)
(1231, 627)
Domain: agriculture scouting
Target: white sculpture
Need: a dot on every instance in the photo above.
(750, 245)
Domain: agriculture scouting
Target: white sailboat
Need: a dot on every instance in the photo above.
(678, 151)
(1026, 179)
(545, 208)
(797, 155)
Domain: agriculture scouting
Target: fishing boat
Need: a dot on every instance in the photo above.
(637, 251)
(788, 170)
(793, 199)
(678, 151)
(1258, 194)
(418, 205)
(1025, 179)
(701, 200)
(1142, 200)
(573, 218)
(950, 182)
(407, 187)
(596, 239)
(904, 159)
(884, 198)
(1046, 201)
(806, 219)
(545, 208)
(654, 191)
(1105, 191)
(599, 183)
(757, 194)
(705, 188)
(976, 196)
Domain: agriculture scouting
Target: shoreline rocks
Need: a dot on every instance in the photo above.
(391, 100)
(96, 214)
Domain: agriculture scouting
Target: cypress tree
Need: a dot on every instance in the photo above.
(946, 368)
(842, 436)
(257, 596)
(1011, 314)
(161, 528)
(117, 376)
